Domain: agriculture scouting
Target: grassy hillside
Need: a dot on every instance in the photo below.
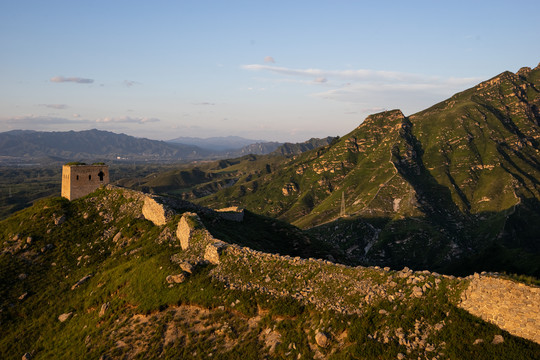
(100, 267)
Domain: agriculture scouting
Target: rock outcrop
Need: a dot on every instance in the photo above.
(233, 213)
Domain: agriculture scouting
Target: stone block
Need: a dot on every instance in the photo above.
(213, 252)
(155, 212)
(186, 225)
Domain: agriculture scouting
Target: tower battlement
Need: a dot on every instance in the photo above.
(79, 180)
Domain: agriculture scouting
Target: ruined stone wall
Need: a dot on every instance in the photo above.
(155, 211)
(512, 306)
(509, 305)
(231, 213)
(81, 180)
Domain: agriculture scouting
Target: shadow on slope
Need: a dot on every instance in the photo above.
(505, 241)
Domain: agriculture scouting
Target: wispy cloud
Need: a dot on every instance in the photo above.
(38, 121)
(362, 75)
(78, 80)
(371, 89)
(204, 103)
(127, 119)
(55, 106)
(130, 83)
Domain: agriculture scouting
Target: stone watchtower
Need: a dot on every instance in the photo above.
(79, 179)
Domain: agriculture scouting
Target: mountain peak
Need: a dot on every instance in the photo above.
(384, 118)
(524, 71)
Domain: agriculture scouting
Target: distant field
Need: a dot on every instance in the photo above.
(20, 186)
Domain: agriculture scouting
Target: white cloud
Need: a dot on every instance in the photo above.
(37, 122)
(373, 110)
(127, 119)
(78, 80)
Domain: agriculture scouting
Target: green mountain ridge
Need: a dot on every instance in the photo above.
(461, 176)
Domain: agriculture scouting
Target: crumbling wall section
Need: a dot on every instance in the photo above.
(512, 306)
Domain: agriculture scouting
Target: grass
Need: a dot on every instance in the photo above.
(130, 276)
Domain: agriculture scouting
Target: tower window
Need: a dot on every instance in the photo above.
(89, 177)
(77, 177)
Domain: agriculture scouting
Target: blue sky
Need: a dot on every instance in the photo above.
(280, 70)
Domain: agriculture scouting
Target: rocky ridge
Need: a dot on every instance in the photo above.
(326, 285)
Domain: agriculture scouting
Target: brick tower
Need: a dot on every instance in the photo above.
(79, 180)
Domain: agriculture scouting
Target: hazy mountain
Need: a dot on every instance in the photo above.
(277, 148)
(206, 178)
(456, 181)
(261, 148)
(91, 144)
(298, 148)
(28, 145)
(217, 143)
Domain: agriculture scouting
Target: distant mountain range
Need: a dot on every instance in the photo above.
(30, 146)
(235, 146)
(24, 145)
(216, 143)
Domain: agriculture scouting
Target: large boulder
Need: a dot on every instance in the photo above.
(176, 278)
(321, 339)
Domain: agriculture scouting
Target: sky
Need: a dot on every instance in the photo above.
(268, 70)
